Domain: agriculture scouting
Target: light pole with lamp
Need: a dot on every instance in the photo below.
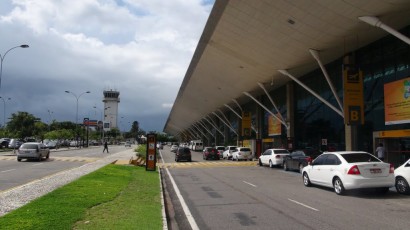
(4, 110)
(76, 114)
(51, 119)
(2, 58)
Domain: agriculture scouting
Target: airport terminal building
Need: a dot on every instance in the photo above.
(326, 75)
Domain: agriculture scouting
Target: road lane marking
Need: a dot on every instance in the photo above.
(249, 184)
(304, 205)
(7, 170)
(188, 214)
(38, 164)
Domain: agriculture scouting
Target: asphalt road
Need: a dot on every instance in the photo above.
(247, 196)
(14, 173)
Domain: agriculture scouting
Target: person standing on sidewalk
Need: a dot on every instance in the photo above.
(105, 146)
(380, 151)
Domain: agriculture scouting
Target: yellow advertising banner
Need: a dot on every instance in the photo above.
(353, 105)
(274, 126)
(397, 102)
(246, 124)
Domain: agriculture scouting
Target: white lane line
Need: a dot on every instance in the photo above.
(7, 170)
(304, 205)
(38, 164)
(188, 214)
(249, 184)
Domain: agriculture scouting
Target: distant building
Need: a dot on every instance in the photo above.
(111, 100)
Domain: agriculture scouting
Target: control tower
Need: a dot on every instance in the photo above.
(111, 100)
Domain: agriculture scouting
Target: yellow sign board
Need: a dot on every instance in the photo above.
(353, 105)
(274, 126)
(246, 124)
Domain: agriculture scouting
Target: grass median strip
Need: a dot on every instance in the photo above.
(113, 197)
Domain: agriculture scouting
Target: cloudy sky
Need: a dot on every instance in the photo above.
(141, 48)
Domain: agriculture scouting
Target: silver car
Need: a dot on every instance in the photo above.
(33, 150)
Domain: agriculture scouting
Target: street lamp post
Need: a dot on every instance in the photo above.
(77, 98)
(2, 58)
(4, 110)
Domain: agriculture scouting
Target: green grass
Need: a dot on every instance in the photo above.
(114, 197)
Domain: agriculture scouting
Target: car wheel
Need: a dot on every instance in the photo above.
(48, 155)
(306, 180)
(338, 186)
(190, 159)
(18, 159)
(301, 168)
(39, 158)
(270, 164)
(402, 186)
(260, 162)
(285, 166)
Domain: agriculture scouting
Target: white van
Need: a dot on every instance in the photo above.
(196, 145)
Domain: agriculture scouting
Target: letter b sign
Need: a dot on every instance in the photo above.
(355, 115)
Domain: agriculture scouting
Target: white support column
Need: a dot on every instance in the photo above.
(203, 134)
(237, 114)
(267, 110)
(203, 126)
(273, 103)
(230, 127)
(315, 54)
(213, 125)
(193, 133)
(285, 72)
(374, 21)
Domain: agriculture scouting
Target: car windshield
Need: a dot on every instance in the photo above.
(245, 149)
(359, 157)
(298, 154)
(281, 151)
(29, 146)
(184, 150)
(221, 148)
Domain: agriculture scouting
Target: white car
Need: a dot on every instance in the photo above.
(273, 157)
(347, 170)
(174, 148)
(402, 175)
(242, 153)
(227, 154)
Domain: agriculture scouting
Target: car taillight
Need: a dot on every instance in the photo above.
(391, 168)
(309, 160)
(354, 170)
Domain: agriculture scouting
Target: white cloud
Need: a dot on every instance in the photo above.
(141, 48)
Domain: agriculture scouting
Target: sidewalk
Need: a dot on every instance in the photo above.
(19, 196)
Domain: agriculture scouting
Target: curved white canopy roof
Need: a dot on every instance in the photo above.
(246, 42)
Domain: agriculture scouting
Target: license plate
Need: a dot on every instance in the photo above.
(375, 171)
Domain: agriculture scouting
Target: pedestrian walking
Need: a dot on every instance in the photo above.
(380, 151)
(105, 146)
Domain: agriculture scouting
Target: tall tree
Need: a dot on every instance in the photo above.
(22, 124)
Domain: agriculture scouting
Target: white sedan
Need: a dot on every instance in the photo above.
(242, 153)
(402, 175)
(347, 170)
(273, 157)
(227, 154)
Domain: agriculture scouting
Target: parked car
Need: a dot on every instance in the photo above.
(227, 154)
(174, 148)
(220, 149)
(402, 176)
(183, 153)
(127, 144)
(52, 144)
(297, 160)
(33, 150)
(15, 143)
(347, 170)
(241, 153)
(273, 157)
(4, 142)
(210, 153)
